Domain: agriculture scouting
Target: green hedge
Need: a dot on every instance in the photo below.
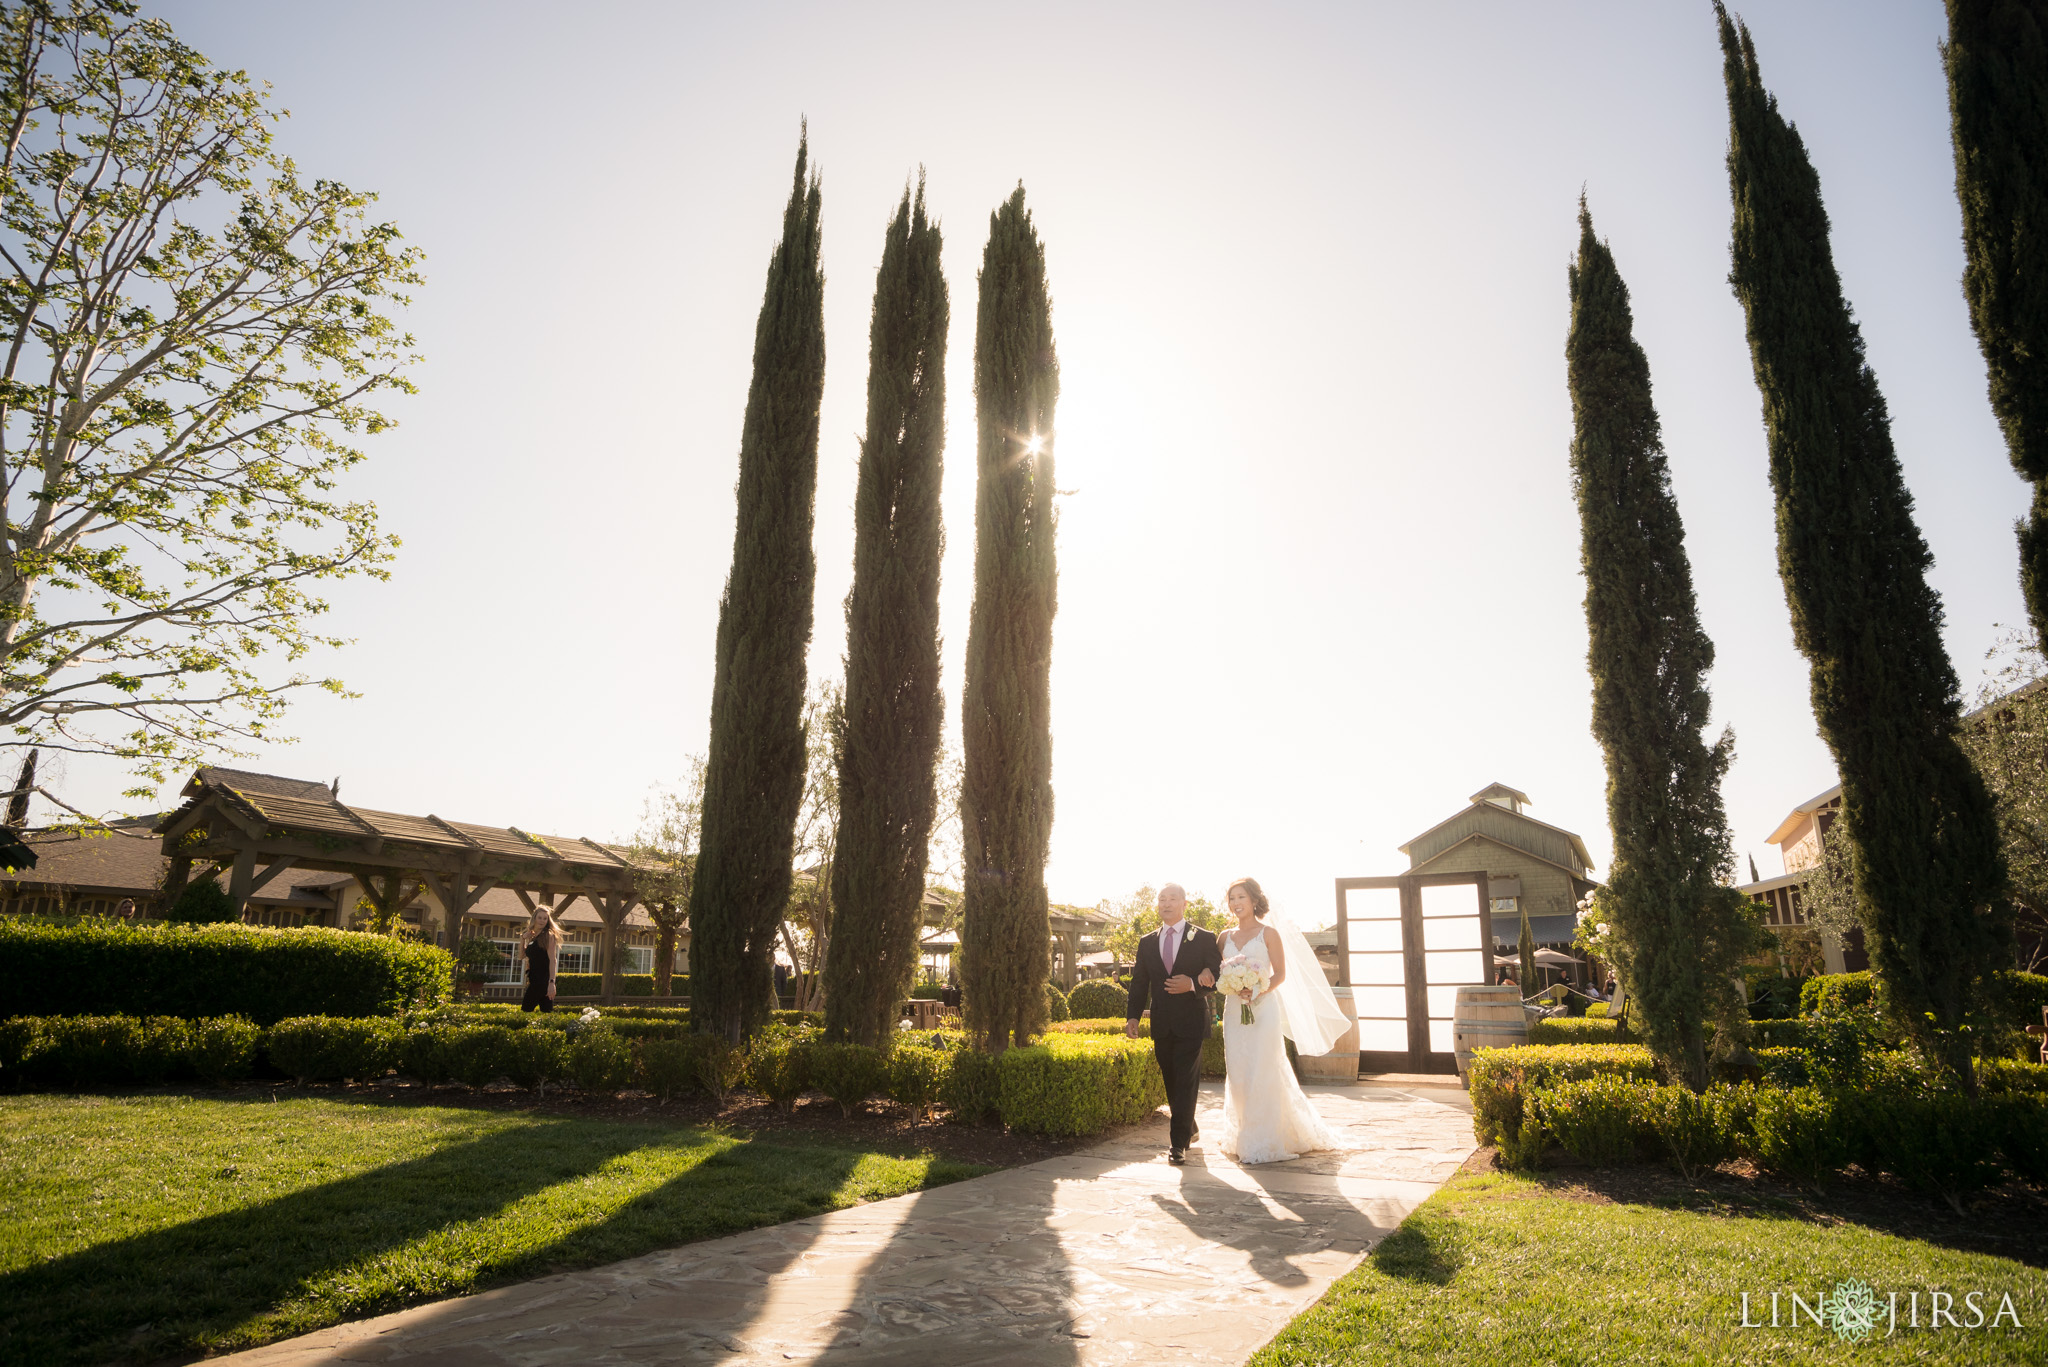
(1056, 1008)
(1097, 998)
(1573, 1030)
(332, 1049)
(1501, 1080)
(1831, 994)
(113, 1051)
(630, 984)
(101, 968)
(1078, 1084)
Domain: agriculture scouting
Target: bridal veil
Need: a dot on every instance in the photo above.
(1311, 1014)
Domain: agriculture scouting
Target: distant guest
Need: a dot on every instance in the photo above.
(543, 946)
(126, 911)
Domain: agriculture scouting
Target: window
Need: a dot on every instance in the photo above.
(1507, 906)
(636, 958)
(575, 958)
(511, 965)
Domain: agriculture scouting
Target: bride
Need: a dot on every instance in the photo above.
(1266, 1115)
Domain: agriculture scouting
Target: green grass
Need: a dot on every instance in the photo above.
(134, 1228)
(1497, 1269)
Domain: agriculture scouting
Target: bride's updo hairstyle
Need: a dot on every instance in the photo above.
(1260, 906)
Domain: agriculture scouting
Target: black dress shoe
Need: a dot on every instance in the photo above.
(1177, 1156)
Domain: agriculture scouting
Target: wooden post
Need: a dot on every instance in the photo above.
(175, 879)
(242, 880)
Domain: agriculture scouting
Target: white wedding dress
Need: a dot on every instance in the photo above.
(1266, 1115)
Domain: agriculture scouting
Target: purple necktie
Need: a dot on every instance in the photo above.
(1166, 938)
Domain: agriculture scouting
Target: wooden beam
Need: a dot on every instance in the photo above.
(276, 866)
(527, 898)
(316, 855)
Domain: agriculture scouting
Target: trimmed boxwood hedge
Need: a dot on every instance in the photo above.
(1078, 1084)
(630, 984)
(1501, 1080)
(1574, 1030)
(1097, 998)
(101, 968)
(101, 1051)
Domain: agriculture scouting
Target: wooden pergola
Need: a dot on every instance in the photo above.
(255, 826)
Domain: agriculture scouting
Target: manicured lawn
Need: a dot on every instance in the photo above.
(1497, 1269)
(135, 1228)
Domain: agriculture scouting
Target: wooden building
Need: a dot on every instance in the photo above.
(1804, 947)
(1529, 865)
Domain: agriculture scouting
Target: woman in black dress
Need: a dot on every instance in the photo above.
(543, 948)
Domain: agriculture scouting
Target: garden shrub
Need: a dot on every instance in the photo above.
(1783, 1067)
(1212, 1056)
(668, 1067)
(1598, 1120)
(478, 1055)
(333, 1048)
(927, 992)
(95, 1051)
(1098, 998)
(1596, 1011)
(1689, 1127)
(1078, 1085)
(973, 1087)
(1942, 1142)
(779, 1067)
(917, 1076)
(849, 1073)
(629, 985)
(1795, 1033)
(1056, 1008)
(1799, 1132)
(599, 1059)
(106, 968)
(1995, 1075)
(1096, 1025)
(222, 1048)
(1587, 1029)
(202, 904)
(2022, 1122)
(534, 1058)
(1832, 994)
(721, 1066)
(1500, 1079)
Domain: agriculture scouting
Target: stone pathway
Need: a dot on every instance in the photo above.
(1107, 1256)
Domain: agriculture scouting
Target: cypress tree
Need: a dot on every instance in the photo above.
(1997, 60)
(889, 741)
(1921, 834)
(1006, 786)
(1677, 928)
(1525, 948)
(754, 772)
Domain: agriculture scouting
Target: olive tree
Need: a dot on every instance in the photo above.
(194, 335)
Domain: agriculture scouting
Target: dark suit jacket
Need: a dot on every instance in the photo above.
(1175, 1013)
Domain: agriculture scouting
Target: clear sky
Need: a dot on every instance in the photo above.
(1319, 569)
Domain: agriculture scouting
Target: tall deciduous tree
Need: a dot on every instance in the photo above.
(1677, 929)
(894, 710)
(754, 772)
(1997, 60)
(1921, 834)
(1006, 731)
(666, 849)
(177, 401)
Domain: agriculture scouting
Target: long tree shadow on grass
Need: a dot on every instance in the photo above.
(256, 1272)
(2011, 1222)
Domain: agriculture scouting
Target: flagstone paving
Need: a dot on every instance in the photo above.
(1106, 1256)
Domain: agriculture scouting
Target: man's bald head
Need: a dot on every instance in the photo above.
(1173, 903)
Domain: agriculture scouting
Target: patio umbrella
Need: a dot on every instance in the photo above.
(1551, 958)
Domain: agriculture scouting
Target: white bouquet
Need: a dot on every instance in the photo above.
(1240, 975)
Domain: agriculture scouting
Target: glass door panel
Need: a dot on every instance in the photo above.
(1378, 969)
(1451, 932)
(1372, 904)
(1376, 936)
(1387, 1003)
(1440, 1039)
(1455, 966)
(1390, 1037)
(1450, 899)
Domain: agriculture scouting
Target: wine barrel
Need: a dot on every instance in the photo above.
(1487, 1018)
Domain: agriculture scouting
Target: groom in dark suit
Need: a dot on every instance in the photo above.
(1176, 970)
